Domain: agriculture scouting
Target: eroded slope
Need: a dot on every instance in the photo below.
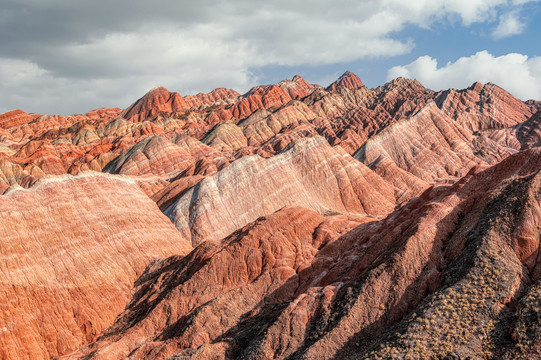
(71, 249)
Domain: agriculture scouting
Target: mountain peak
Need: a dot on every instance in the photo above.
(402, 82)
(156, 100)
(348, 80)
(300, 80)
(157, 89)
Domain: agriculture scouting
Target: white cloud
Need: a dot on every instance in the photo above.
(510, 24)
(517, 73)
(16, 71)
(82, 51)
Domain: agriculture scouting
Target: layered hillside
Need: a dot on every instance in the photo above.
(292, 222)
(309, 173)
(71, 250)
(440, 277)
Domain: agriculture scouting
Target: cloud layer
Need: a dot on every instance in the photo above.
(510, 24)
(517, 73)
(72, 56)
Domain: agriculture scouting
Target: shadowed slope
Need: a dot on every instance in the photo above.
(170, 312)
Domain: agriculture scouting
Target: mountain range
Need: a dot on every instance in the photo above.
(291, 222)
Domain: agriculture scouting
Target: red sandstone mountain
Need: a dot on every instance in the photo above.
(15, 118)
(524, 135)
(484, 107)
(334, 223)
(428, 145)
(156, 100)
(215, 97)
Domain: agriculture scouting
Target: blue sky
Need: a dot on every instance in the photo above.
(71, 57)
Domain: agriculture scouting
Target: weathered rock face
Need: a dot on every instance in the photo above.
(260, 97)
(483, 107)
(154, 155)
(518, 137)
(492, 262)
(428, 145)
(263, 125)
(529, 132)
(45, 144)
(297, 88)
(407, 184)
(71, 249)
(15, 118)
(219, 96)
(310, 173)
(227, 137)
(10, 174)
(348, 81)
(356, 115)
(253, 263)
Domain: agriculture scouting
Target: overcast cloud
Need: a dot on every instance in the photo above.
(64, 57)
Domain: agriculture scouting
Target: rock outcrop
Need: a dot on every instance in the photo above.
(297, 88)
(15, 118)
(348, 81)
(528, 133)
(483, 107)
(153, 155)
(260, 97)
(255, 262)
(219, 96)
(428, 145)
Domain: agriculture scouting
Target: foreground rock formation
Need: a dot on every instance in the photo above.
(440, 277)
(290, 222)
(71, 250)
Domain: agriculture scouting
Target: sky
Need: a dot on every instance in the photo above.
(66, 57)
